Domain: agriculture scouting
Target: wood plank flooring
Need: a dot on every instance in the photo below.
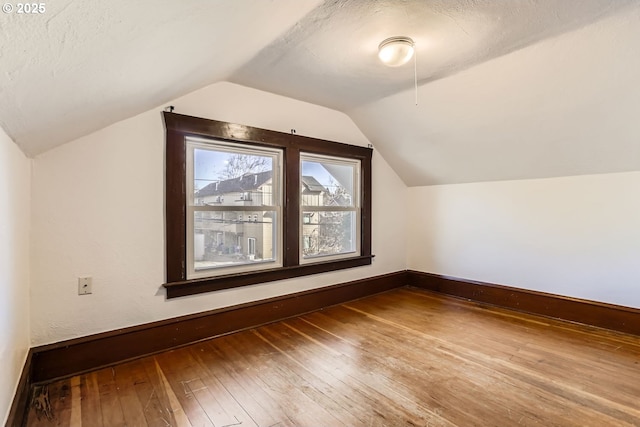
(402, 358)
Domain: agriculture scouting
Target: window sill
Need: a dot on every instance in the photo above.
(209, 284)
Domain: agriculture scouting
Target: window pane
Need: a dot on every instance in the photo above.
(328, 183)
(232, 178)
(231, 238)
(328, 233)
(330, 207)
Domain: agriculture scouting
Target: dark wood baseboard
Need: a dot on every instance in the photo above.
(609, 316)
(71, 357)
(20, 403)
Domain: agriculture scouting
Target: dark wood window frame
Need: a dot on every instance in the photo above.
(178, 128)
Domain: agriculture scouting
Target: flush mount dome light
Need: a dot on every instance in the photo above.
(395, 51)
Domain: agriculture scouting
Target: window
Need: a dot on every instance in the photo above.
(247, 205)
(330, 207)
(218, 171)
(251, 244)
(306, 217)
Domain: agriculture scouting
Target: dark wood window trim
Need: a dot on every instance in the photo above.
(178, 128)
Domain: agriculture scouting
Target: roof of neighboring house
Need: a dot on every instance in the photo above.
(247, 182)
(253, 181)
(312, 185)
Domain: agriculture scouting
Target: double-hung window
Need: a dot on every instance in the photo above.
(330, 206)
(228, 189)
(245, 205)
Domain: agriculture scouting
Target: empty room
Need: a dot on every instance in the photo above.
(280, 213)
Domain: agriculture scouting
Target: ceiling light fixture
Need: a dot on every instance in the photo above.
(396, 51)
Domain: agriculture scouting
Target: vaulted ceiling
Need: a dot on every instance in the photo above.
(507, 89)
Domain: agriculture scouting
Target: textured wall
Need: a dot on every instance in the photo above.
(100, 205)
(576, 236)
(15, 193)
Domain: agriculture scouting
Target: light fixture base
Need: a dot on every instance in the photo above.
(396, 51)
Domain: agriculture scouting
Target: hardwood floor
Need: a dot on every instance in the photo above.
(402, 358)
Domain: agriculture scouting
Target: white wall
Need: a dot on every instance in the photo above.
(575, 236)
(99, 211)
(15, 192)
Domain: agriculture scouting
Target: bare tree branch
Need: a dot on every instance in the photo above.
(241, 164)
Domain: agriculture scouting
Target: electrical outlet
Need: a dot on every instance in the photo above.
(84, 285)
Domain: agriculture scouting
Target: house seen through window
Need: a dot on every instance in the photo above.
(329, 207)
(235, 200)
(236, 208)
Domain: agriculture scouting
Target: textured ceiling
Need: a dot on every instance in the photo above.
(330, 56)
(508, 89)
(85, 64)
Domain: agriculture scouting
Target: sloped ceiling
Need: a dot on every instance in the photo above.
(85, 64)
(507, 89)
(565, 106)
